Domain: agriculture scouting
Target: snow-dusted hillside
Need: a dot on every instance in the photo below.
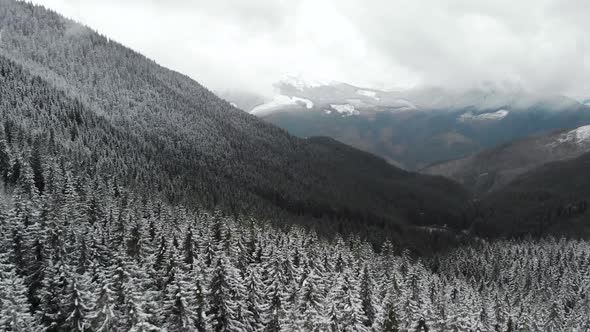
(579, 136)
(492, 169)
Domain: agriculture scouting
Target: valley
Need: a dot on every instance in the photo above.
(134, 198)
(414, 129)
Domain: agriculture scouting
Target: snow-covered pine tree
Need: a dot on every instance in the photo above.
(254, 300)
(367, 297)
(52, 311)
(77, 307)
(391, 323)
(103, 317)
(177, 314)
(310, 300)
(223, 308)
(14, 307)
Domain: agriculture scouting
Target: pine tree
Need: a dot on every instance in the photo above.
(36, 264)
(5, 161)
(199, 307)
(103, 317)
(136, 318)
(223, 309)
(254, 306)
(310, 300)
(160, 255)
(52, 310)
(418, 305)
(346, 295)
(76, 309)
(188, 249)
(84, 260)
(18, 250)
(14, 307)
(119, 278)
(134, 243)
(275, 315)
(178, 316)
(391, 323)
(37, 166)
(555, 318)
(367, 297)
(332, 321)
(150, 297)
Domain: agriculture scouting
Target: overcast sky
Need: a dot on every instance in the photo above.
(538, 45)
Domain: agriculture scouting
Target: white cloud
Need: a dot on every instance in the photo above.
(539, 45)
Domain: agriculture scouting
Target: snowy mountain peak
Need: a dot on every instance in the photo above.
(300, 83)
(498, 115)
(368, 93)
(279, 102)
(345, 109)
(579, 136)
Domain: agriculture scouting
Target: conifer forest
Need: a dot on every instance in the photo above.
(134, 199)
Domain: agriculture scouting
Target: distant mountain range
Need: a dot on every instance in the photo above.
(524, 157)
(416, 128)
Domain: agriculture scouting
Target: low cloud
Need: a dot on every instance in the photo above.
(541, 45)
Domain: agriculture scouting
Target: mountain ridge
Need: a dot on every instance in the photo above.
(493, 168)
(416, 128)
(212, 154)
(551, 199)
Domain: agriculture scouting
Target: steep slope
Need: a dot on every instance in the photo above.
(492, 169)
(88, 255)
(552, 199)
(195, 148)
(416, 128)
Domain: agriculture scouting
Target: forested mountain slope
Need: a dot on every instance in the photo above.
(80, 253)
(494, 168)
(552, 199)
(93, 236)
(164, 132)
